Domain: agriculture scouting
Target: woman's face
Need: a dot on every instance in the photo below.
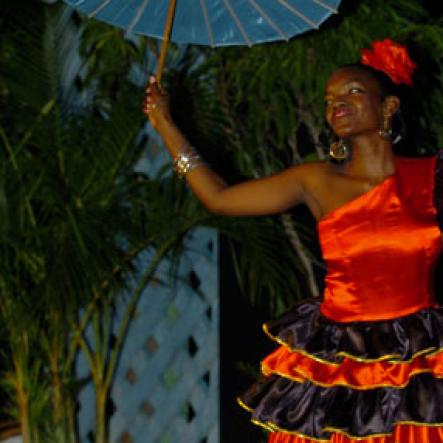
(353, 103)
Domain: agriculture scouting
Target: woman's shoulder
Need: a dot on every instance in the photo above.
(314, 170)
(316, 176)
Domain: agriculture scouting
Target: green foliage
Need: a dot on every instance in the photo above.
(76, 216)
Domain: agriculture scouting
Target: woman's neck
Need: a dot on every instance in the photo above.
(372, 158)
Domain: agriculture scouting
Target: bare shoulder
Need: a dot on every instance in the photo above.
(312, 174)
(315, 179)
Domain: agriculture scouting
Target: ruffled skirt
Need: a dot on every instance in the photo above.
(371, 382)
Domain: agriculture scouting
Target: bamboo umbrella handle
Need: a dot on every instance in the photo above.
(166, 39)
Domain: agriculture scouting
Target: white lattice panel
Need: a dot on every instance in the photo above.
(167, 382)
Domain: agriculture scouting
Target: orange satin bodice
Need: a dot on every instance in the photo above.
(381, 248)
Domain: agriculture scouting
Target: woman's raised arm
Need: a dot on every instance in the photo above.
(268, 195)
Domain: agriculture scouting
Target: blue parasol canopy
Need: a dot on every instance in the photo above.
(213, 22)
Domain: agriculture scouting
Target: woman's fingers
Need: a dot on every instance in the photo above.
(150, 106)
(155, 99)
(149, 101)
(154, 88)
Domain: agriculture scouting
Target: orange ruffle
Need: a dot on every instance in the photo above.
(403, 433)
(355, 374)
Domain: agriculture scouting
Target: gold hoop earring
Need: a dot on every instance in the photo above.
(386, 130)
(339, 150)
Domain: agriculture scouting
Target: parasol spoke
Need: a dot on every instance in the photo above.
(102, 5)
(237, 22)
(271, 23)
(137, 16)
(326, 6)
(207, 22)
(296, 12)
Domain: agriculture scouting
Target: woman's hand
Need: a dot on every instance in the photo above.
(156, 103)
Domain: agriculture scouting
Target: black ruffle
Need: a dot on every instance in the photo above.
(438, 189)
(310, 410)
(305, 329)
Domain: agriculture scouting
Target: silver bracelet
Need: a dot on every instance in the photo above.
(186, 161)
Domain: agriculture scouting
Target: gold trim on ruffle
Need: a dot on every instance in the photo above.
(346, 385)
(354, 437)
(272, 427)
(397, 423)
(429, 351)
(263, 425)
(417, 423)
(267, 373)
(244, 405)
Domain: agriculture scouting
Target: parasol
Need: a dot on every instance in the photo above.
(210, 22)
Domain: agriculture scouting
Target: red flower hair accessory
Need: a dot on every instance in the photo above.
(392, 59)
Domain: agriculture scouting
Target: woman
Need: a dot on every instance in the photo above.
(364, 363)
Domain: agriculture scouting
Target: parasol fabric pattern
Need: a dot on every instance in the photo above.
(213, 22)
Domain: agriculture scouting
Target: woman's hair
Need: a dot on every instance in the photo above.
(408, 134)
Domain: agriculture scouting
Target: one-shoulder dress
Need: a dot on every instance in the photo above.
(365, 364)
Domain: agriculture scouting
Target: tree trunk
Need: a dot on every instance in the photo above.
(71, 423)
(58, 409)
(300, 251)
(101, 427)
(56, 387)
(23, 407)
